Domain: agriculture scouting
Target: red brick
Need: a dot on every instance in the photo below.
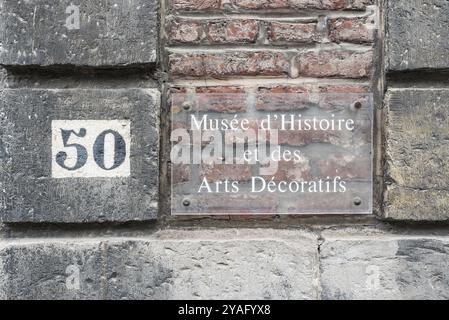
(335, 63)
(220, 172)
(299, 97)
(209, 101)
(293, 32)
(290, 4)
(178, 90)
(341, 138)
(361, 4)
(233, 31)
(177, 96)
(226, 99)
(179, 125)
(356, 30)
(281, 89)
(222, 65)
(333, 96)
(284, 5)
(229, 203)
(182, 31)
(346, 167)
(195, 5)
(215, 32)
(303, 138)
(291, 171)
(343, 89)
(244, 136)
(220, 90)
(282, 98)
(314, 88)
(318, 202)
(180, 173)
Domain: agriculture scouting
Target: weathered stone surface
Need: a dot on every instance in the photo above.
(57, 270)
(30, 192)
(227, 264)
(176, 264)
(47, 32)
(3, 281)
(417, 149)
(385, 268)
(417, 33)
(3, 76)
(416, 205)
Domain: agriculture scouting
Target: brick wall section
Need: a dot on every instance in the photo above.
(238, 39)
(216, 5)
(319, 44)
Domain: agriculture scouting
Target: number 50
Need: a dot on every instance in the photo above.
(90, 148)
(98, 150)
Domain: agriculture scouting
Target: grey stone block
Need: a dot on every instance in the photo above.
(52, 271)
(417, 149)
(47, 32)
(216, 264)
(382, 268)
(417, 33)
(34, 185)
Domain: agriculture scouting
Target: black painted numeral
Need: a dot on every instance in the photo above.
(119, 152)
(98, 150)
(81, 152)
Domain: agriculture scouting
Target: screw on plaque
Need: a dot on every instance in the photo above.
(358, 105)
(357, 201)
(186, 106)
(186, 202)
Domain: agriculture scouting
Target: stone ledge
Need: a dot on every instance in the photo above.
(228, 264)
(224, 264)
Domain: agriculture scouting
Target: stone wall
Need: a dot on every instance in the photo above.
(115, 238)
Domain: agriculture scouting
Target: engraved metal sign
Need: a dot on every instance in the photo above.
(271, 153)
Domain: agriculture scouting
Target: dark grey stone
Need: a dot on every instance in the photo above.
(3, 76)
(29, 193)
(111, 32)
(417, 149)
(417, 34)
(52, 271)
